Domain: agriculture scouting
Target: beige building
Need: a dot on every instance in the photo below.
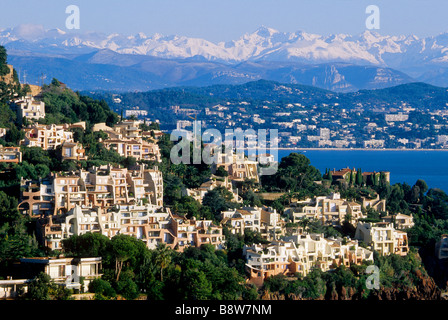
(104, 186)
(67, 272)
(400, 221)
(137, 148)
(29, 108)
(36, 197)
(383, 238)
(47, 137)
(238, 167)
(10, 154)
(148, 223)
(192, 232)
(331, 210)
(214, 182)
(73, 151)
(107, 186)
(128, 140)
(299, 254)
(129, 129)
(264, 220)
(239, 220)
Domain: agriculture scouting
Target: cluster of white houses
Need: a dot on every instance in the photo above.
(112, 200)
(151, 224)
(103, 186)
(298, 254)
(128, 140)
(291, 254)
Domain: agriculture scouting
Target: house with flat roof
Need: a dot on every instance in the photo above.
(47, 137)
(28, 107)
(10, 154)
(66, 271)
(400, 221)
(383, 238)
(299, 254)
(331, 210)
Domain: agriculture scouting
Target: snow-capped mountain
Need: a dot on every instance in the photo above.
(338, 62)
(263, 44)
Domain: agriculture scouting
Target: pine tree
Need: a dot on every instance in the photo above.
(359, 181)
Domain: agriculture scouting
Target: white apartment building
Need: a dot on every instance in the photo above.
(66, 272)
(383, 238)
(238, 220)
(265, 221)
(396, 117)
(331, 210)
(238, 167)
(104, 186)
(214, 182)
(29, 108)
(374, 143)
(400, 221)
(301, 253)
(47, 137)
(148, 223)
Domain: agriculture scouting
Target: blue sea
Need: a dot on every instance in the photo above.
(404, 166)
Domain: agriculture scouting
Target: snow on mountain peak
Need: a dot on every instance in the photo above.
(266, 32)
(264, 43)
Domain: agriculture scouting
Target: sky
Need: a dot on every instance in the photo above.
(225, 20)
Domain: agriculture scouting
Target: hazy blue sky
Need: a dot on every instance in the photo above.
(224, 20)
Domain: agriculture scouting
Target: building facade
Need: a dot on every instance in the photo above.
(383, 238)
(29, 108)
(10, 154)
(299, 254)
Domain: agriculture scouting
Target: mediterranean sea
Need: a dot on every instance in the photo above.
(404, 165)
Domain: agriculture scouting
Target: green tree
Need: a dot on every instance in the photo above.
(123, 248)
(90, 244)
(198, 287)
(39, 288)
(102, 289)
(219, 199)
(162, 257)
(295, 172)
(4, 70)
(221, 172)
(359, 178)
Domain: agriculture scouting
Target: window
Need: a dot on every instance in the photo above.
(61, 272)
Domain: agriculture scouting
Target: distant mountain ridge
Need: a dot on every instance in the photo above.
(108, 70)
(337, 62)
(418, 95)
